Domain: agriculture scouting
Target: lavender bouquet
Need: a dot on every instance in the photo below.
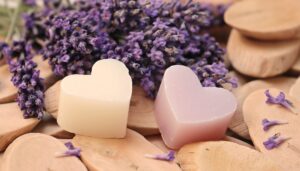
(148, 36)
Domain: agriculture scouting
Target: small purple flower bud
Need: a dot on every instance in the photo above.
(274, 141)
(267, 124)
(72, 151)
(170, 156)
(280, 100)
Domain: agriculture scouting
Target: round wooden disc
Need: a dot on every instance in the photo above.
(296, 67)
(141, 117)
(255, 110)
(261, 59)
(237, 124)
(267, 19)
(8, 92)
(50, 127)
(37, 152)
(295, 90)
(12, 124)
(222, 155)
(121, 154)
(158, 142)
(52, 98)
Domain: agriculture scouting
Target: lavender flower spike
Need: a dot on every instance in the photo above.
(274, 141)
(267, 124)
(72, 151)
(280, 100)
(167, 157)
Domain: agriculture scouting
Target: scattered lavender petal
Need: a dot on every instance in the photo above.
(170, 156)
(274, 141)
(267, 124)
(280, 100)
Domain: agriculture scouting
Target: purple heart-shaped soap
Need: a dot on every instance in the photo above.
(187, 112)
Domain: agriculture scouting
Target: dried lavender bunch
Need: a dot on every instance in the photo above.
(26, 78)
(148, 53)
(76, 41)
(35, 23)
(192, 16)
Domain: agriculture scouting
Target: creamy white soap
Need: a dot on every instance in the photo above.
(96, 105)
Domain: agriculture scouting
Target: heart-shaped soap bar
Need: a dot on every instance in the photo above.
(187, 112)
(98, 104)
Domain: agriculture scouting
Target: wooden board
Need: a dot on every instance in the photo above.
(295, 90)
(222, 156)
(261, 59)
(121, 154)
(255, 110)
(12, 124)
(265, 19)
(38, 152)
(237, 124)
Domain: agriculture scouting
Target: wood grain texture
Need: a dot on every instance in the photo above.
(296, 67)
(237, 124)
(222, 156)
(12, 124)
(265, 20)
(261, 59)
(121, 154)
(52, 99)
(50, 127)
(255, 110)
(37, 152)
(295, 90)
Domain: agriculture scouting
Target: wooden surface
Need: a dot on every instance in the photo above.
(52, 98)
(237, 124)
(296, 67)
(255, 110)
(141, 113)
(222, 156)
(121, 154)
(37, 152)
(261, 59)
(50, 127)
(295, 90)
(265, 19)
(12, 124)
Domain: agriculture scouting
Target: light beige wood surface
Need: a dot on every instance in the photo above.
(141, 113)
(255, 110)
(261, 59)
(8, 92)
(237, 141)
(121, 154)
(38, 152)
(12, 124)
(265, 19)
(52, 99)
(295, 90)
(223, 156)
(50, 127)
(158, 142)
(296, 67)
(237, 124)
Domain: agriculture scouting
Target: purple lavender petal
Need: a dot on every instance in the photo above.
(280, 100)
(170, 156)
(274, 142)
(267, 124)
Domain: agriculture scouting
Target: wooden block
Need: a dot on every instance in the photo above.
(237, 124)
(141, 113)
(296, 67)
(51, 99)
(38, 152)
(255, 110)
(295, 90)
(49, 126)
(121, 154)
(12, 124)
(265, 20)
(261, 59)
(222, 156)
